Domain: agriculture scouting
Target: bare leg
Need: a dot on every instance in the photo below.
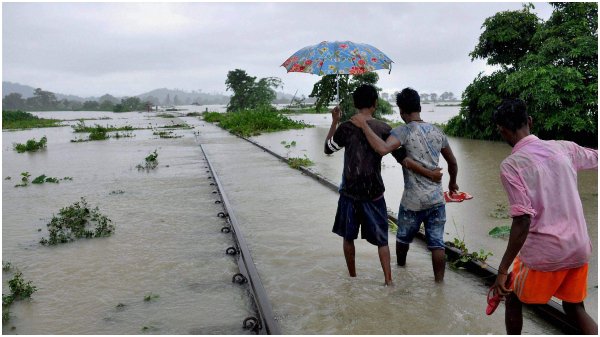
(349, 253)
(438, 260)
(384, 258)
(576, 312)
(513, 315)
(401, 251)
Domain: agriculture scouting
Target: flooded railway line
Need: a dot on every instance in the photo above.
(265, 323)
(552, 312)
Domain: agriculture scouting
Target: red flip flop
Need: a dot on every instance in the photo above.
(457, 197)
(495, 300)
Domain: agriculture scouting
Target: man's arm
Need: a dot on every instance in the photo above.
(518, 234)
(452, 168)
(336, 115)
(379, 145)
(435, 174)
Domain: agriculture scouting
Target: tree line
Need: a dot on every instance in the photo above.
(46, 101)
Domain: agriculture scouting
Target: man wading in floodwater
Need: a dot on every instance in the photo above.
(361, 203)
(423, 199)
(548, 228)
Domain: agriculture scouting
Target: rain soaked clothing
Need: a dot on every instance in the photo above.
(540, 179)
(368, 215)
(361, 178)
(423, 143)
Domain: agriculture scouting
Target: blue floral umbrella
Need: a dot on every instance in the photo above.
(337, 57)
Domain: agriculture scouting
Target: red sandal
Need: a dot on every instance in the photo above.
(495, 300)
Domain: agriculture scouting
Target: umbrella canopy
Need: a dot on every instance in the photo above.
(337, 57)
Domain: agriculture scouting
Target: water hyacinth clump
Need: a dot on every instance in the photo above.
(77, 221)
(151, 162)
(31, 145)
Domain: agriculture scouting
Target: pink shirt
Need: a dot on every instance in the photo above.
(540, 179)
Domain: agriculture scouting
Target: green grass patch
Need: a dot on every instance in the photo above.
(303, 111)
(175, 126)
(31, 145)
(253, 122)
(296, 162)
(77, 221)
(163, 115)
(24, 120)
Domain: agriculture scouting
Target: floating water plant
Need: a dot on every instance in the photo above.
(296, 162)
(7, 178)
(500, 231)
(77, 221)
(288, 145)
(19, 290)
(151, 297)
(115, 192)
(500, 212)
(43, 179)
(31, 145)
(151, 162)
(166, 134)
(24, 179)
(6, 266)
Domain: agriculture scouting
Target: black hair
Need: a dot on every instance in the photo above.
(511, 114)
(408, 100)
(364, 96)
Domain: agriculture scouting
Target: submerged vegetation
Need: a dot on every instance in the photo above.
(19, 290)
(31, 145)
(500, 231)
(253, 122)
(151, 162)
(77, 221)
(296, 162)
(99, 132)
(23, 120)
(39, 179)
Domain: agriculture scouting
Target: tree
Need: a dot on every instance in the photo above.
(433, 97)
(42, 100)
(13, 101)
(552, 65)
(248, 93)
(325, 92)
(424, 97)
(91, 105)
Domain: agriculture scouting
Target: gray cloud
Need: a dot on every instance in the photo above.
(126, 49)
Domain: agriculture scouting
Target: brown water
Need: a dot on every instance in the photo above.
(168, 240)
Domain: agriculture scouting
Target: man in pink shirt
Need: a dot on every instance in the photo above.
(548, 231)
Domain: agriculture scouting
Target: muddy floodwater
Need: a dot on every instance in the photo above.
(168, 241)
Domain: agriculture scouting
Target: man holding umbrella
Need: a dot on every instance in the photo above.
(361, 203)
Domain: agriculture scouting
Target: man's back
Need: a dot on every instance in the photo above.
(423, 143)
(541, 180)
(362, 165)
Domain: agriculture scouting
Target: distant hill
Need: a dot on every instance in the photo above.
(162, 96)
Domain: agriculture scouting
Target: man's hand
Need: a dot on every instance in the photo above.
(336, 114)
(359, 120)
(436, 175)
(500, 286)
(453, 188)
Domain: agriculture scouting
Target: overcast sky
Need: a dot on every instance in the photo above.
(89, 49)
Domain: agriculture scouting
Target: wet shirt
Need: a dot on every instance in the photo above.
(540, 179)
(361, 178)
(423, 143)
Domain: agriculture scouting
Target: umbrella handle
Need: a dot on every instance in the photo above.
(337, 81)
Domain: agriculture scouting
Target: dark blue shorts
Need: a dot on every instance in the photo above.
(369, 216)
(434, 219)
